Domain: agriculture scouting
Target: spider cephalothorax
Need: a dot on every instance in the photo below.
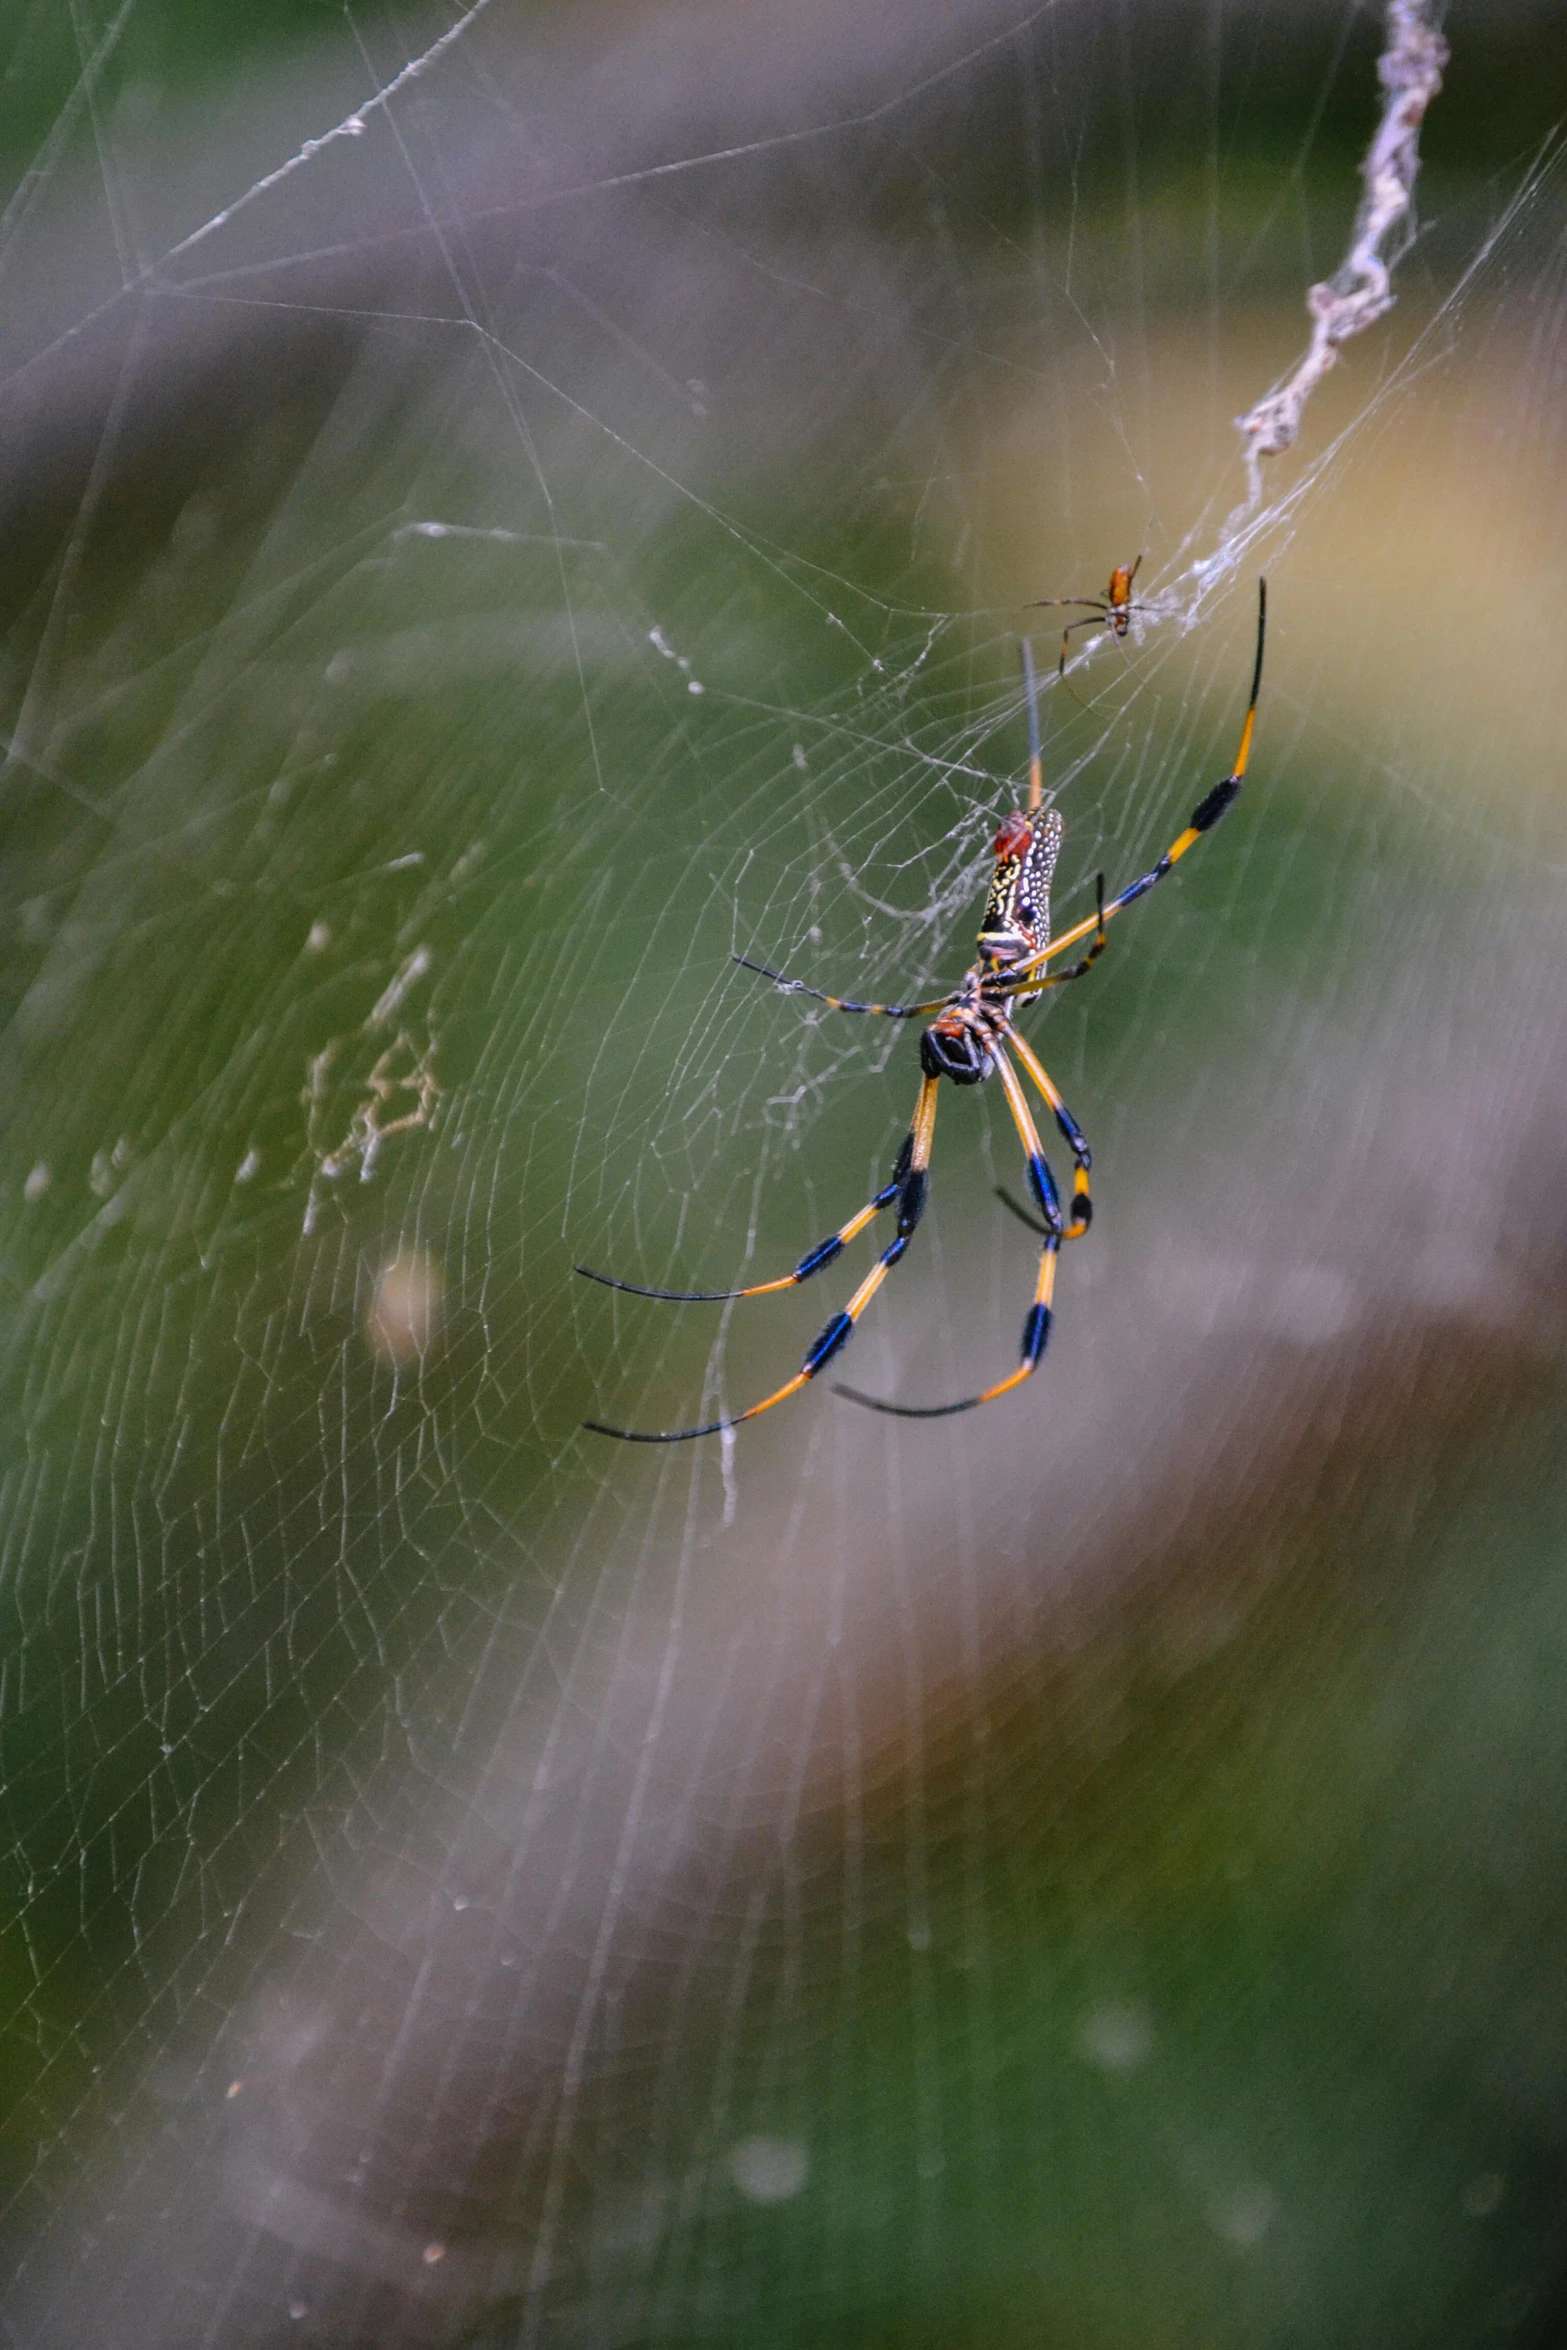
(972, 1037)
(961, 1045)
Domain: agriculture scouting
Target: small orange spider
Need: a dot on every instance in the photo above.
(1113, 609)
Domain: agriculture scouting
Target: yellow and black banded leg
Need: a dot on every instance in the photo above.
(1041, 1182)
(812, 1262)
(1006, 987)
(1021, 979)
(788, 986)
(1081, 1213)
(1036, 1324)
(835, 1336)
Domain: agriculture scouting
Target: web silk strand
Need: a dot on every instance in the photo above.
(1360, 291)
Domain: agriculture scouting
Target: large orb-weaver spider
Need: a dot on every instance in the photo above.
(968, 1041)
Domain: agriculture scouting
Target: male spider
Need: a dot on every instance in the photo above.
(968, 1041)
(1114, 608)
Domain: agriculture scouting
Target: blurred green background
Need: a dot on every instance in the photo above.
(1091, 1873)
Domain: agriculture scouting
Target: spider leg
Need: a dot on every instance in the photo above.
(1203, 818)
(1036, 764)
(1005, 988)
(812, 1262)
(1082, 1209)
(1016, 1208)
(1100, 617)
(1036, 1325)
(841, 1003)
(836, 1334)
(1118, 619)
(1097, 612)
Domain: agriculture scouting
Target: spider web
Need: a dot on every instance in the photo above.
(504, 515)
